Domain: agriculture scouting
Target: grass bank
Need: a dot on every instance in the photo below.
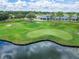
(66, 33)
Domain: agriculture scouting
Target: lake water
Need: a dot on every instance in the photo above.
(40, 50)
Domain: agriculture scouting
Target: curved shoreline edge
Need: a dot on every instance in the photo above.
(38, 42)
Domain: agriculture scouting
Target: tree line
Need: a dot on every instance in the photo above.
(4, 15)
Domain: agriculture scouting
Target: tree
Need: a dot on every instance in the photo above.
(59, 14)
(4, 16)
(70, 15)
(11, 16)
(19, 14)
(31, 16)
(77, 16)
(54, 15)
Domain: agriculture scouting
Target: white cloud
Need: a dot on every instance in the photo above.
(3, 4)
(16, 6)
(53, 6)
(60, 0)
(19, 5)
(39, 5)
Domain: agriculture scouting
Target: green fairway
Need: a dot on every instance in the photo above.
(65, 33)
(53, 32)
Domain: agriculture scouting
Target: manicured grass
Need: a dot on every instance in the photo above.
(25, 32)
(52, 32)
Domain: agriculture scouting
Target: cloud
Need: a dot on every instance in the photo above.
(19, 5)
(46, 5)
(39, 5)
(60, 0)
(16, 6)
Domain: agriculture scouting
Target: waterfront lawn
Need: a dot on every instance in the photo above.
(66, 33)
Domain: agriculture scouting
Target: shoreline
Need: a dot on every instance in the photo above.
(24, 44)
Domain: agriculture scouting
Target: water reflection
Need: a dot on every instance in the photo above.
(41, 50)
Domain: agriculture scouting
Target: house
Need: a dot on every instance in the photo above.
(62, 18)
(74, 18)
(44, 17)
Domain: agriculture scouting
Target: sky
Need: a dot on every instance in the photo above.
(40, 5)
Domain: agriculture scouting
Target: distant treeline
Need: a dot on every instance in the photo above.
(26, 12)
(22, 14)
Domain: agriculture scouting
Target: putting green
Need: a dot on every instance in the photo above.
(53, 32)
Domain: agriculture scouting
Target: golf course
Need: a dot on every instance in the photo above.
(65, 33)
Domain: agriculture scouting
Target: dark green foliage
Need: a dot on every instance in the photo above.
(19, 15)
(4, 16)
(30, 16)
(59, 14)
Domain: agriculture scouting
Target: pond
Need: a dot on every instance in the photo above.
(39, 50)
